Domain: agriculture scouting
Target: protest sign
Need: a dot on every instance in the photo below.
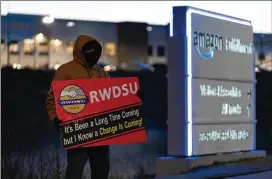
(98, 112)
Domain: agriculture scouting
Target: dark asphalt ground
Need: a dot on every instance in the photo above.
(256, 168)
(262, 175)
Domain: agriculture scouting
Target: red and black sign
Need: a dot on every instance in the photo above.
(99, 112)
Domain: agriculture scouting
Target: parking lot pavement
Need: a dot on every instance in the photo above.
(262, 175)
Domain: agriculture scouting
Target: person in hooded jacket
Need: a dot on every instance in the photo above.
(86, 53)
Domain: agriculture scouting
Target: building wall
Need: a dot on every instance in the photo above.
(20, 26)
(132, 42)
(104, 32)
(158, 36)
(263, 43)
(16, 27)
(27, 26)
(266, 39)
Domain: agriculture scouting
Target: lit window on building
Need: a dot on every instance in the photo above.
(43, 49)
(40, 38)
(161, 51)
(257, 69)
(266, 63)
(110, 49)
(29, 47)
(269, 56)
(3, 45)
(56, 45)
(14, 48)
(70, 47)
(149, 50)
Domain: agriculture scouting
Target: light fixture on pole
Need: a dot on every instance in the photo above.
(48, 20)
(70, 24)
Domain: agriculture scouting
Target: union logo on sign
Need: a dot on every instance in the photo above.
(73, 99)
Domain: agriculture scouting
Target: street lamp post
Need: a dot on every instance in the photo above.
(8, 39)
(37, 40)
(48, 20)
(8, 34)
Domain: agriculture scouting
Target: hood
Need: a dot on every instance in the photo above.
(77, 52)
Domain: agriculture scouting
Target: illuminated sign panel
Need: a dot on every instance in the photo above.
(222, 101)
(211, 84)
(221, 49)
(210, 139)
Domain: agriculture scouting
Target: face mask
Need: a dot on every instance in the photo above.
(91, 52)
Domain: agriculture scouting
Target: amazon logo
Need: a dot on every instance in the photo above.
(207, 43)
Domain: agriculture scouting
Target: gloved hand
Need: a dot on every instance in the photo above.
(57, 122)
